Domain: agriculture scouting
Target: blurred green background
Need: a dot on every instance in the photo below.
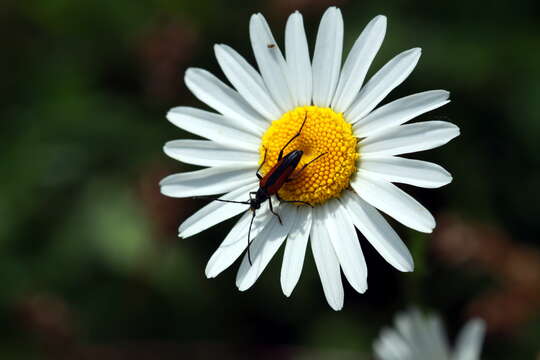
(90, 264)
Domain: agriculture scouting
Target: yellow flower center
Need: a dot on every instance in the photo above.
(324, 131)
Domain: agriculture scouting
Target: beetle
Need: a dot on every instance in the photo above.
(273, 181)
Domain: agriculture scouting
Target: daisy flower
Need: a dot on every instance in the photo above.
(346, 186)
(419, 337)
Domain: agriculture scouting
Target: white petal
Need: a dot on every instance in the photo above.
(271, 63)
(327, 57)
(326, 261)
(210, 90)
(295, 250)
(430, 336)
(393, 201)
(346, 244)
(209, 153)
(406, 171)
(409, 138)
(469, 341)
(406, 322)
(377, 231)
(357, 64)
(297, 51)
(423, 335)
(236, 242)
(400, 111)
(385, 80)
(217, 211)
(265, 246)
(391, 346)
(247, 81)
(421, 338)
(212, 126)
(210, 181)
(437, 337)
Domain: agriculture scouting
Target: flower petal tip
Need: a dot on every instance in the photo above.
(242, 287)
(332, 11)
(255, 17)
(407, 267)
(416, 51)
(171, 115)
(381, 18)
(209, 272)
(162, 183)
(287, 292)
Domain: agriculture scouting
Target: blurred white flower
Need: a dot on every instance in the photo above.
(346, 186)
(416, 336)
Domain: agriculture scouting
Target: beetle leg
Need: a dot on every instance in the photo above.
(249, 238)
(272, 211)
(297, 202)
(292, 201)
(303, 167)
(259, 169)
(300, 202)
(294, 137)
(213, 198)
(317, 158)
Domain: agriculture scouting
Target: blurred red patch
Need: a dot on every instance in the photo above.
(165, 213)
(516, 268)
(164, 50)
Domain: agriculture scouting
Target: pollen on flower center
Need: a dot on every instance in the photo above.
(325, 131)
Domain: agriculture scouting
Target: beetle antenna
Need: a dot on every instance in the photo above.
(249, 239)
(218, 199)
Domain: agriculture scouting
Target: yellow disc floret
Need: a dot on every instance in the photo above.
(325, 131)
